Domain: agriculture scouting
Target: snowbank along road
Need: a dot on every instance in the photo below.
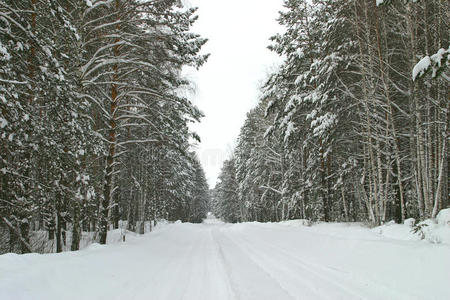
(243, 261)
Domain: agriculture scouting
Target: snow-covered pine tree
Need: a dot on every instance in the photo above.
(354, 137)
(51, 126)
(139, 55)
(84, 86)
(226, 194)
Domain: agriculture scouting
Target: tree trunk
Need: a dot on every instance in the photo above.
(438, 194)
(110, 160)
(58, 231)
(344, 203)
(31, 67)
(76, 230)
(25, 236)
(326, 211)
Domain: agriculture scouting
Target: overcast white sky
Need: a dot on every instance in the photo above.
(227, 86)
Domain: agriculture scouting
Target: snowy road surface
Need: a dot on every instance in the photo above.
(243, 261)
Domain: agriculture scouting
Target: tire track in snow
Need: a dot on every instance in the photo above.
(170, 273)
(301, 289)
(353, 287)
(224, 266)
(208, 276)
(248, 279)
(346, 280)
(295, 277)
(181, 278)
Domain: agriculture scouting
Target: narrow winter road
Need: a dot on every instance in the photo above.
(244, 261)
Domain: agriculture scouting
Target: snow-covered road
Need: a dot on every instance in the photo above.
(243, 261)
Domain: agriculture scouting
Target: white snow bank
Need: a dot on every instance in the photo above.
(433, 231)
(296, 223)
(41, 244)
(213, 221)
(396, 231)
(443, 217)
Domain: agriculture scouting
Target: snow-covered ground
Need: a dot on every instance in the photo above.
(290, 260)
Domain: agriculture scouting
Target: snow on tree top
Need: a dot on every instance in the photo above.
(421, 67)
(435, 61)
